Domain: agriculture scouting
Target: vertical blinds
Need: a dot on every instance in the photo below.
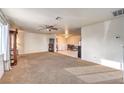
(0, 38)
(4, 40)
(3, 19)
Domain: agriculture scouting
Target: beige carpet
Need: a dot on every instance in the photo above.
(54, 68)
(95, 78)
(88, 69)
(69, 53)
(95, 74)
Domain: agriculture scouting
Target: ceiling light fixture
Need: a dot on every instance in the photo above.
(66, 34)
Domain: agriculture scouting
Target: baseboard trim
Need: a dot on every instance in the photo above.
(34, 53)
(111, 64)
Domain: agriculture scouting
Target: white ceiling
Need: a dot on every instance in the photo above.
(31, 18)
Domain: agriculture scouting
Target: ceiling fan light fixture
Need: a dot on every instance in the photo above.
(51, 27)
(47, 29)
(66, 35)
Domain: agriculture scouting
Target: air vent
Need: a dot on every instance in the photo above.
(118, 12)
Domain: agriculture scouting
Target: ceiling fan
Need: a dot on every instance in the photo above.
(51, 27)
(48, 28)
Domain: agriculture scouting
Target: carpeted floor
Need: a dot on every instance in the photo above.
(54, 68)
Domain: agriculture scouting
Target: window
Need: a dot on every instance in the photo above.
(4, 42)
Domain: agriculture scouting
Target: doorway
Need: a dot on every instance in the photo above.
(51, 45)
(70, 46)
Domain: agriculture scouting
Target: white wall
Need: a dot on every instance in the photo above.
(33, 42)
(99, 43)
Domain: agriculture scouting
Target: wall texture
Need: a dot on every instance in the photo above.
(102, 42)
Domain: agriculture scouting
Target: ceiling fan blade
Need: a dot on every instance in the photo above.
(55, 28)
(42, 27)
